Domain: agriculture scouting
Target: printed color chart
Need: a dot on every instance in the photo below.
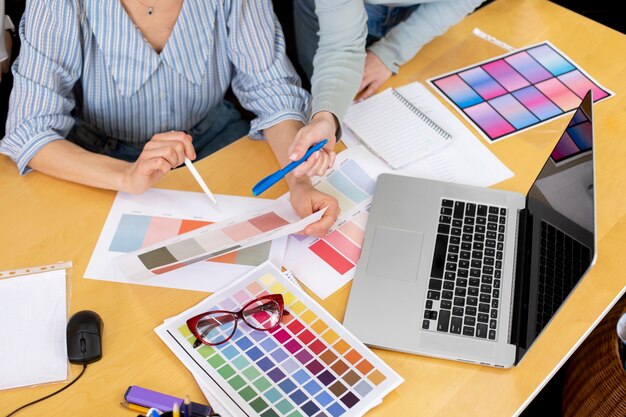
(214, 240)
(576, 139)
(136, 231)
(517, 91)
(326, 264)
(309, 366)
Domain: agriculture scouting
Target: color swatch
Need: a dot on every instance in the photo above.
(517, 91)
(203, 242)
(136, 231)
(309, 366)
(342, 247)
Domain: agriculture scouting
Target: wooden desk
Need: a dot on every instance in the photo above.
(46, 220)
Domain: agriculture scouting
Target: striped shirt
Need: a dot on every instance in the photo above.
(86, 59)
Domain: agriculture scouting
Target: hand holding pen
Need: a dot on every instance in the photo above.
(272, 179)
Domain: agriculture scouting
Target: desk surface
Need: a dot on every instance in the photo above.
(46, 220)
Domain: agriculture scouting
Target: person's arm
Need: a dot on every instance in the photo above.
(402, 42)
(305, 199)
(42, 99)
(266, 84)
(337, 73)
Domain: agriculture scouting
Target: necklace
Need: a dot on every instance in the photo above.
(149, 7)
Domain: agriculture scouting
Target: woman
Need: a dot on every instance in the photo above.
(105, 91)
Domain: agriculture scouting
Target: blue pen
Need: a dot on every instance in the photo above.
(272, 179)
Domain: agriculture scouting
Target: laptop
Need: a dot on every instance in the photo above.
(475, 274)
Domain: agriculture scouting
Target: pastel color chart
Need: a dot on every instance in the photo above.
(309, 366)
(136, 231)
(326, 264)
(517, 91)
(341, 248)
(209, 241)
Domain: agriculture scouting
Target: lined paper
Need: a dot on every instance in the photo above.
(394, 129)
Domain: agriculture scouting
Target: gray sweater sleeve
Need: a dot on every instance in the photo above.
(431, 19)
(339, 60)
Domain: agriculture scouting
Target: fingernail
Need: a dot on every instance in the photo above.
(293, 156)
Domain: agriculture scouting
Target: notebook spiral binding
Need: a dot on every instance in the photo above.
(440, 130)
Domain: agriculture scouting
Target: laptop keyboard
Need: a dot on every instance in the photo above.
(464, 289)
(562, 262)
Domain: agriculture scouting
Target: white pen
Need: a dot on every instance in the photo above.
(493, 40)
(198, 178)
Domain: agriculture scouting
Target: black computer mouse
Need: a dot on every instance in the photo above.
(84, 337)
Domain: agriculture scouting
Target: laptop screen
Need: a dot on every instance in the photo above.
(561, 206)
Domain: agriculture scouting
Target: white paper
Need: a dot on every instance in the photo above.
(33, 315)
(201, 276)
(464, 161)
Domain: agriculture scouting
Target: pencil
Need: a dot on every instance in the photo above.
(175, 410)
(199, 179)
(134, 407)
(187, 407)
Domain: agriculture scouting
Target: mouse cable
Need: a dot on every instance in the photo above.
(49, 395)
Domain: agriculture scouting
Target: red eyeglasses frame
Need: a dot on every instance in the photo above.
(192, 323)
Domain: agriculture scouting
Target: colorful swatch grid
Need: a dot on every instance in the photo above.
(308, 366)
(202, 246)
(517, 91)
(136, 231)
(576, 140)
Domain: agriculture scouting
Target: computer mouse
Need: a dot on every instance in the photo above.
(84, 337)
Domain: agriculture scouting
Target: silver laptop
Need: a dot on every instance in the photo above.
(475, 274)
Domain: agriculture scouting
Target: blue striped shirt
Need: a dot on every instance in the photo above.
(86, 59)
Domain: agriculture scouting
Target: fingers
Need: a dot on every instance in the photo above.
(371, 89)
(179, 141)
(323, 225)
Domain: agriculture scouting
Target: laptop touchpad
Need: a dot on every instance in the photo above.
(395, 254)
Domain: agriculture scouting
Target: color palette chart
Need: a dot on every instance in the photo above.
(518, 90)
(309, 366)
(135, 222)
(326, 264)
(206, 242)
(136, 231)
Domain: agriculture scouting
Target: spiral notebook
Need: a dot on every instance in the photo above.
(395, 129)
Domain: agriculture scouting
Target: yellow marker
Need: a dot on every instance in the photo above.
(175, 410)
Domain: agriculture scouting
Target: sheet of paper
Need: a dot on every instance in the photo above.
(235, 233)
(465, 161)
(33, 316)
(310, 365)
(389, 115)
(518, 90)
(137, 221)
(326, 264)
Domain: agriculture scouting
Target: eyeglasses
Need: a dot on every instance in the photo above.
(218, 326)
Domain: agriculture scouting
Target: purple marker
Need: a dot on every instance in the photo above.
(152, 399)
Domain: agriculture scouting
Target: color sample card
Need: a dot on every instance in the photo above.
(517, 91)
(576, 140)
(309, 366)
(235, 233)
(139, 221)
(326, 264)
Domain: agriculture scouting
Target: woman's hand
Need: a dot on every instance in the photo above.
(306, 200)
(374, 75)
(322, 126)
(164, 152)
